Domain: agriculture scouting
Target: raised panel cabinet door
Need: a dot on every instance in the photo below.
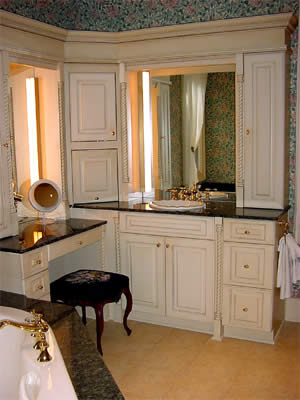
(190, 279)
(93, 106)
(95, 175)
(143, 261)
(265, 130)
(247, 307)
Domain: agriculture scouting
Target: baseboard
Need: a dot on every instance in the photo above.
(292, 309)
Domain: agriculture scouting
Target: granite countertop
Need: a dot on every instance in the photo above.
(226, 209)
(33, 234)
(90, 377)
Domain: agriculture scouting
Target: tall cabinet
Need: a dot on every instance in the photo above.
(91, 118)
(265, 136)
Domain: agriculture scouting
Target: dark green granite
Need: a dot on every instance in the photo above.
(90, 377)
(50, 233)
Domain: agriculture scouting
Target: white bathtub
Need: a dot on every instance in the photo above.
(22, 377)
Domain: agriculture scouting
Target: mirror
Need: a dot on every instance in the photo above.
(44, 195)
(178, 159)
(34, 129)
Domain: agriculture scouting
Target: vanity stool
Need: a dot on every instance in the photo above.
(91, 288)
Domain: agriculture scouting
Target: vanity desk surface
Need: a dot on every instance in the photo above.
(33, 235)
(226, 209)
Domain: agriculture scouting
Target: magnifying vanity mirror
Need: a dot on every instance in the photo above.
(44, 195)
(192, 125)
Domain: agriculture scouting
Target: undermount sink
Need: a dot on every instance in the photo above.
(176, 205)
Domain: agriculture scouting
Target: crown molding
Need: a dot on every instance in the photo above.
(285, 20)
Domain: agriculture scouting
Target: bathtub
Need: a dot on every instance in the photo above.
(22, 377)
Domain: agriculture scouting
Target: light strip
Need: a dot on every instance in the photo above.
(32, 130)
(147, 132)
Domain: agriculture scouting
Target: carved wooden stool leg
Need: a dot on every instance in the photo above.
(99, 325)
(127, 310)
(83, 315)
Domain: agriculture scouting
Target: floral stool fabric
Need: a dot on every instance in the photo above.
(93, 288)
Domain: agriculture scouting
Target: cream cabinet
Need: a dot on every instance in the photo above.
(93, 106)
(95, 175)
(171, 277)
(250, 308)
(265, 130)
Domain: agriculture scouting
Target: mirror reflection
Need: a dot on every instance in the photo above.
(34, 127)
(192, 120)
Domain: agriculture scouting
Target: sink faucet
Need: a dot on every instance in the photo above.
(37, 327)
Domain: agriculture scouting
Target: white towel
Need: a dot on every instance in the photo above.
(284, 276)
(294, 257)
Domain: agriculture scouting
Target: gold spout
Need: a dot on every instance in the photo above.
(37, 328)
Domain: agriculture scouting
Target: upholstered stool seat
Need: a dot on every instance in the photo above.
(93, 288)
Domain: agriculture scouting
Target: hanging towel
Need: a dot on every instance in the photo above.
(284, 276)
(294, 257)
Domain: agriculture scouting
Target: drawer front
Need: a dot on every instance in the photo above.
(249, 265)
(37, 285)
(72, 243)
(251, 231)
(167, 225)
(247, 308)
(34, 261)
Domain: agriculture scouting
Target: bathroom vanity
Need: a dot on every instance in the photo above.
(212, 270)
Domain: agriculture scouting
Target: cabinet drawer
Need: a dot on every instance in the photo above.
(34, 261)
(251, 231)
(37, 285)
(250, 265)
(247, 308)
(75, 242)
(167, 225)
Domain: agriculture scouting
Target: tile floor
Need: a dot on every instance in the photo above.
(161, 363)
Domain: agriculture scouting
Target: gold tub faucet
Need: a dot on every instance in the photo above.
(37, 327)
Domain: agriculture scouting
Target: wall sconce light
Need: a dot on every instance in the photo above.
(33, 129)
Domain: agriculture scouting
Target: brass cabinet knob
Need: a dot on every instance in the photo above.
(246, 266)
(246, 232)
(247, 132)
(97, 198)
(158, 244)
(38, 262)
(113, 133)
(80, 242)
(245, 309)
(167, 245)
(40, 287)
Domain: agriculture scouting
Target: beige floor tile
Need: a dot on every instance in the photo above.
(161, 363)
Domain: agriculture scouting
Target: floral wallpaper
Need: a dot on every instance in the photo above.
(220, 127)
(124, 15)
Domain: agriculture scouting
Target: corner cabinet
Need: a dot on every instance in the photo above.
(170, 262)
(93, 143)
(265, 136)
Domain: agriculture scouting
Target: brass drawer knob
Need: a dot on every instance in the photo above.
(97, 198)
(245, 309)
(158, 244)
(246, 266)
(40, 287)
(39, 262)
(80, 242)
(113, 133)
(246, 232)
(167, 245)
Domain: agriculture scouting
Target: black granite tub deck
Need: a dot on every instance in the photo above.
(90, 377)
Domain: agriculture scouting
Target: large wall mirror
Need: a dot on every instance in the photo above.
(34, 126)
(182, 123)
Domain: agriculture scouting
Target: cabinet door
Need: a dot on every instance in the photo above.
(265, 130)
(94, 175)
(143, 260)
(93, 106)
(247, 307)
(190, 279)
